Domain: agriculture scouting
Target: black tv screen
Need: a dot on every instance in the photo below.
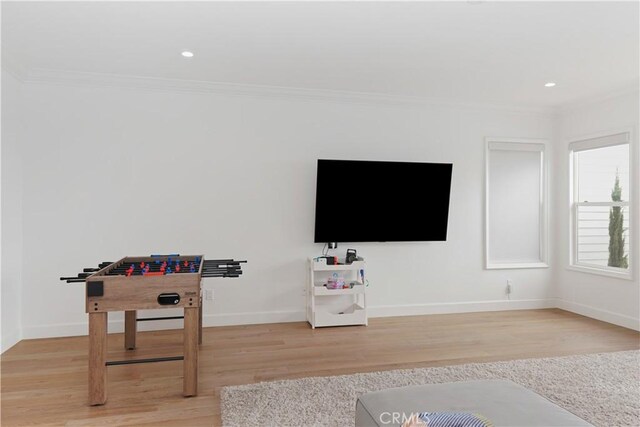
(371, 201)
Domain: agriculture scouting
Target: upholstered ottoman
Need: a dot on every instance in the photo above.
(503, 402)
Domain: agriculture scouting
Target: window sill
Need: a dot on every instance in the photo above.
(506, 266)
(601, 272)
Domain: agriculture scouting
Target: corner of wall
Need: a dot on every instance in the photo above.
(608, 299)
(556, 200)
(11, 195)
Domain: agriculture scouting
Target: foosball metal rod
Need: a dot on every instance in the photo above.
(152, 360)
(215, 264)
(123, 270)
(146, 319)
(209, 273)
(223, 261)
(219, 275)
(209, 267)
(207, 264)
(77, 276)
(222, 270)
(222, 274)
(151, 267)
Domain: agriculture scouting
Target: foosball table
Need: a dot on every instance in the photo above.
(144, 283)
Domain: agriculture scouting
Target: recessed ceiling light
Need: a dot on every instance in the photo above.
(187, 54)
(549, 84)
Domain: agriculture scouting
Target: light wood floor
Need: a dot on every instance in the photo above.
(45, 381)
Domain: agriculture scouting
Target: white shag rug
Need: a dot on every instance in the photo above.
(603, 389)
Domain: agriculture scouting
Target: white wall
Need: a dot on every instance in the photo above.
(11, 261)
(113, 172)
(609, 299)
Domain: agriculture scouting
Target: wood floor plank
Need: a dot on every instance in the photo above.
(44, 381)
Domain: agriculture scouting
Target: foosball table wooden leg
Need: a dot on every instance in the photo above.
(97, 358)
(200, 322)
(191, 351)
(130, 329)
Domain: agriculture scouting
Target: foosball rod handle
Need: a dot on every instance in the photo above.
(79, 276)
(224, 261)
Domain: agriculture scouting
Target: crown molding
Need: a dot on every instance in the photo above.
(603, 97)
(89, 79)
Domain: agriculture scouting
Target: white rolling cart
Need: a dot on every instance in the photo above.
(336, 307)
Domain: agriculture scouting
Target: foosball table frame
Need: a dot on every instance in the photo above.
(109, 289)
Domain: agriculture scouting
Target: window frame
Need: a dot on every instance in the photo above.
(520, 144)
(590, 142)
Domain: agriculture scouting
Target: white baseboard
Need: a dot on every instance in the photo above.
(254, 318)
(599, 314)
(9, 340)
(76, 329)
(115, 326)
(82, 328)
(458, 307)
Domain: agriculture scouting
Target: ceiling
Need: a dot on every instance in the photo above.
(483, 52)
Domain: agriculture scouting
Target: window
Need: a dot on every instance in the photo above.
(516, 216)
(600, 211)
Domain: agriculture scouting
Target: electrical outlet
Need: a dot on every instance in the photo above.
(208, 294)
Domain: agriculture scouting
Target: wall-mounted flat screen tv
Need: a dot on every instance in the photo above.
(374, 201)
